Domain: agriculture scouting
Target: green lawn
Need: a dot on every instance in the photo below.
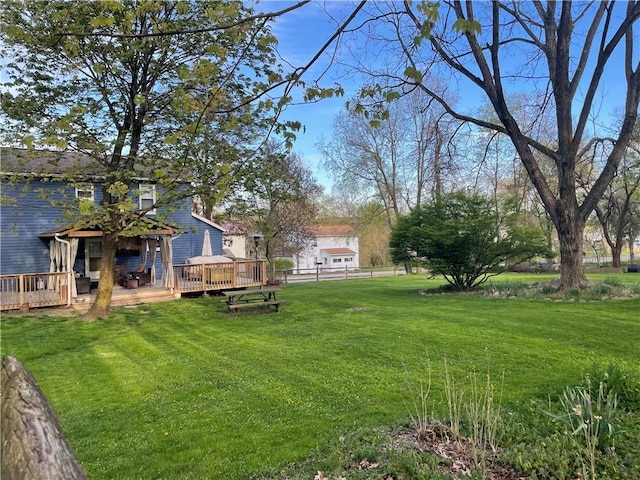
(185, 390)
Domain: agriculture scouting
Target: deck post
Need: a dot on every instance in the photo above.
(21, 288)
(234, 282)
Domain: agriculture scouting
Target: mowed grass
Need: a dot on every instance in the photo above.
(185, 390)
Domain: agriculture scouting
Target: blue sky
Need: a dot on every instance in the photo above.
(301, 34)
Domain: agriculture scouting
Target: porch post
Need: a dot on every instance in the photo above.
(66, 263)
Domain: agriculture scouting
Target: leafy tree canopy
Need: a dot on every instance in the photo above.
(145, 88)
(464, 239)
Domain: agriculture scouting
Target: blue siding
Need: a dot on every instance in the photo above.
(189, 244)
(22, 251)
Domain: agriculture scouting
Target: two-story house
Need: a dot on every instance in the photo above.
(35, 237)
(334, 247)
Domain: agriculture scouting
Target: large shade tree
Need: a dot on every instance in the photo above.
(567, 55)
(140, 86)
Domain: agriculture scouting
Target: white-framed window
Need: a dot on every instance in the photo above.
(85, 191)
(337, 260)
(147, 198)
(348, 259)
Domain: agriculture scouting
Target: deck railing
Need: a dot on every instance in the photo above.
(34, 290)
(219, 276)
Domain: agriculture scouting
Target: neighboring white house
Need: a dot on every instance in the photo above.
(234, 240)
(335, 247)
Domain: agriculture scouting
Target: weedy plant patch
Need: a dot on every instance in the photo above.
(335, 384)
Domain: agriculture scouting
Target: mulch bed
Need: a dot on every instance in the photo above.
(458, 455)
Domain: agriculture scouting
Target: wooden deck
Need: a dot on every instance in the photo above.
(50, 289)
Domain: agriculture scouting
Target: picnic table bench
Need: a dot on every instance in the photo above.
(255, 297)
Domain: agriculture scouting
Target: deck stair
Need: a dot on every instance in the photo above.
(127, 296)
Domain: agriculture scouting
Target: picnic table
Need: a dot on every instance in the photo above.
(254, 297)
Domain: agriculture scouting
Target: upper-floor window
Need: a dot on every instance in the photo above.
(85, 191)
(147, 198)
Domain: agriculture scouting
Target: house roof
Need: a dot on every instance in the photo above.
(338, 251)
(47, 162)
(235, 229)
(208, 222)
(50, 163)
(334, 231)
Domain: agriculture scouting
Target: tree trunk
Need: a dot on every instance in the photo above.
(570, 231)
(548, 233)
(33, 445)
(616, 254)
(408, 269)
(437, 165)
(102, 303)
(271, 271)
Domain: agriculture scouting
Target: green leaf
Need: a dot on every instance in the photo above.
(413, 74)
(99, 22)
(182, 8)
(28, 141)
(431, 11)
(467, 26)
(391, 96)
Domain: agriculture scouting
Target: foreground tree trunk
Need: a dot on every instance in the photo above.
(102, 303)
(33, 445)
(570, 236)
